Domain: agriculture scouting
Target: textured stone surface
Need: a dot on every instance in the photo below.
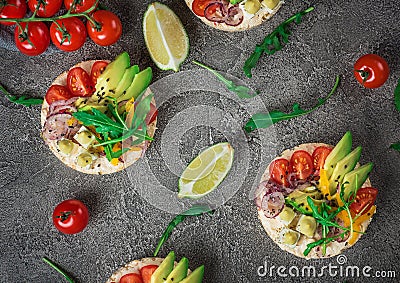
(231, 243)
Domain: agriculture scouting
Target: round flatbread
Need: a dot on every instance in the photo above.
(274, 227)
(100, 165)
(249, 20)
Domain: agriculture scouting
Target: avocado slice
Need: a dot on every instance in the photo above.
(126, 80)
(179, 272)
(87, 107)
(112, 75)
(298, 199)
(164, 269)
(343, 167)
(342, 149)
(140, 82)
(195, 277)
(356, 179)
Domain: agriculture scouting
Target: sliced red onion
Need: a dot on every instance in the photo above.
(235, 16)
(272, 204)
(56, 127)
(216, 12)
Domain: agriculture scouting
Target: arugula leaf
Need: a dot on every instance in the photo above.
(59, 270)
(240, 90)
(297, 207)
(23, 100)
(271, 42)
(264, 120)
(396, 146)
(397, 96)
(195, 210)
(141, 111)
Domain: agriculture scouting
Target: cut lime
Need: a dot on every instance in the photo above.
(206, 171)
(165, 37)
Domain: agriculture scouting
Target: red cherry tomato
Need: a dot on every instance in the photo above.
(199, 6)
(97, 69)
(279, 170)
(371, 71)
(80, 6)
(57, 92)
(71, 216)
(301, 164)
(365, 199)
(147, 271)
(131, 278)
(79, 82)
(319, 155)
(110, 31)
(69, 34)
(47, 9)
(33, 39)
(15, 9)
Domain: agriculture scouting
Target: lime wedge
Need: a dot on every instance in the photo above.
(165, 37)
(206, 171)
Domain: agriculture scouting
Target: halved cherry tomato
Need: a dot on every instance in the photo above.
(68, 34)
(301, 164)
(365, 199)
(371, 70)
(47, 8)
(199, 6)
(147, 271)
(79, 82)
(57, 92)
(71, 216)
(97, 69)
(80, 5)
(32, 38)
(15, 9)
(110, 30)
(319, 155)
(131, 278)
(279, 170)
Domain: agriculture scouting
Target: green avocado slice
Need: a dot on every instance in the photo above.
(179, 272)
(164, 269)
(126, 80)
(356, 179)
(342, 149)
(140, 82)
(195, 277)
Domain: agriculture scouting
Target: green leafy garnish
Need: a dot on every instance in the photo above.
(23, 100)
(240, 90)
(396, 146)
(297, 207)
(196, 210)
(272, 42)
(59, 270)
(264, 120)
(397, 96)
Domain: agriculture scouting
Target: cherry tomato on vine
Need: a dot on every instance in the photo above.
(110, 30)
(33, 39)
(71, 216)
(57, 92)
(15, 9)
(97, 69)
(46, 10)
(79, 82)
(365, 199)
(68, 34)
(199, 6)
(371, 70)
(80, 6)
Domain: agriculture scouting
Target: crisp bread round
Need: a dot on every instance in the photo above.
(273, 226)
(101, 165)
(260, 17)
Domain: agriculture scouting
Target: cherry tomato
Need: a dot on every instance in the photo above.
(319, 155)
(97, 69)
(365, 199)
(71, 216)
(33, 39)
(279, 170)
(80, 6)
(147, 271)
(199, 6)
(371, 71)
(47, 9)
(79, 82)
(301, 164)
(110, 31)
(69, 34)
(57, 92)
(131, 278)
(15, 9)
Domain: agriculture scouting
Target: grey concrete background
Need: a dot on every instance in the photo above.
(231, 243)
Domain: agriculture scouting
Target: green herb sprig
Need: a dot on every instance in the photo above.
(264, 120)
(23, 100)
(196, 210)
(396, 146)
(58, 269)
(240, 90)
(272, 42)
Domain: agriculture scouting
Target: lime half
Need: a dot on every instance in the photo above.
(206, 171)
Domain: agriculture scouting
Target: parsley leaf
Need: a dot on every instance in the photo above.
(23, 100)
